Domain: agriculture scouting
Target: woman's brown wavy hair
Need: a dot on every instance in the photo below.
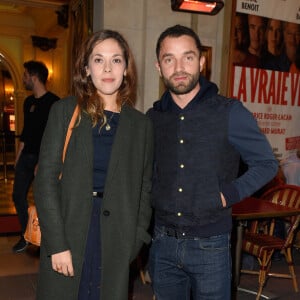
(88, 99)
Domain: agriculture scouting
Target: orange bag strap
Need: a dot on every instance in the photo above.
(69, 132)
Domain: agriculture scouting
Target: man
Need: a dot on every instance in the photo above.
(36, 109)
(257, 30)
(291, 37)
(239, 51)
(199, 137)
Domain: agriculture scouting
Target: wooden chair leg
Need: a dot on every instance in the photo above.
(294, 279)
(264, 269)
(288, 257)
(261, 282)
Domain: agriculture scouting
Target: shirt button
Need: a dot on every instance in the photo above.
(181, 166)
(106, 213)
(181, 118)
(179, 214)
(180, 190)
(183, 233)
(181, 141)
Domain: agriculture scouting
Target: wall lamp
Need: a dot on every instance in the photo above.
(208, 7)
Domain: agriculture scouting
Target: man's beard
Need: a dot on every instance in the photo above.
(182, 87)
(28, 86)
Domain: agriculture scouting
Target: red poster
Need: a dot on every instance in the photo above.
(265, 61)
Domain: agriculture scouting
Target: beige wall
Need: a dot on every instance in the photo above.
(142, 21)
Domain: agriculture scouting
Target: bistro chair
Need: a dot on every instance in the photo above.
(260, 241)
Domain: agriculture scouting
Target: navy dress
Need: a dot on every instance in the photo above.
(89, 288)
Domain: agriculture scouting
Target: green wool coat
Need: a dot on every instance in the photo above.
(64, 206)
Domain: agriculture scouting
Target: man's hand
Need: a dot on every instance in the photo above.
(223, 200)
(20, 148)
(62, 263)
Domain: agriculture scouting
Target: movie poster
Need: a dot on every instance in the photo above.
(265, 68)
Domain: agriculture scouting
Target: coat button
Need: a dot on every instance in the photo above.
(106, 213)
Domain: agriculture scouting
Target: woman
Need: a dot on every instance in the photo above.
(94, 219)
(274, 37)
(273, 48)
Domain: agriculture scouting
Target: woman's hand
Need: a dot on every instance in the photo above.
(62, 263)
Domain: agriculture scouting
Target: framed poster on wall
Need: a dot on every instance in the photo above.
(207, 52)
(265, 68)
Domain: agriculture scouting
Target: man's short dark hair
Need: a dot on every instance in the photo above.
(177, 31)
(38, 69)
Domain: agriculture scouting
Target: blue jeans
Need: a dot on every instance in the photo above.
(24, 174)
(197, 268)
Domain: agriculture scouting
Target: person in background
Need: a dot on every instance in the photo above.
(291, 38)
(94, 219)
(274, 45)
(291, 169)
(295, 66)
(36, 109)
(240, 42)
(199, 139)
(274, 37)
(257, 29)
